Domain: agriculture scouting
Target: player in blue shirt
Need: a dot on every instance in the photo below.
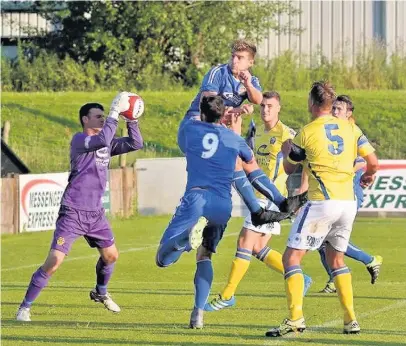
(211, 151)
(234, 83)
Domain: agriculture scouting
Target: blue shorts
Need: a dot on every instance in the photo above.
(197, 203)
(212, 235)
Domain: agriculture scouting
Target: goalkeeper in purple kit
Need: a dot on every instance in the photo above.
(81, 212)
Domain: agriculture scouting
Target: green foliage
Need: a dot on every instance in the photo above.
(372, 69)
(46, 71)
(167, 36)
(42, 124)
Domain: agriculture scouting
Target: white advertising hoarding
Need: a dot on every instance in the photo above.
(388, 192)
(161, 183)
(39, 198)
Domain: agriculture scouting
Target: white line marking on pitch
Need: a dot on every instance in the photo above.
(70, 259)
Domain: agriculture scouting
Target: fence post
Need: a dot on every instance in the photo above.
(6, 131)
(16, 212)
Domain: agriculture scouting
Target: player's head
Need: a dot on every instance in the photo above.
(321, 98)
(270, 106)
(343, 108)
(91, 116)
(211, 109)
(242, 55)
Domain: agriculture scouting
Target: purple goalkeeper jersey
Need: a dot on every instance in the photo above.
(89, 161)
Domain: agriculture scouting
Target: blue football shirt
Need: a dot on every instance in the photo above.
(211, 152)
(220, 80)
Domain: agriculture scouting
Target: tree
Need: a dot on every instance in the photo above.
(169, 36)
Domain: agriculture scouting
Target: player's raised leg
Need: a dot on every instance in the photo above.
(185, 226)
(372, 263)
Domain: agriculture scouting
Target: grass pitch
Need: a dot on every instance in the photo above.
(156, 302)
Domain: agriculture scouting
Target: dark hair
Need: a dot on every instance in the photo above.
(84, 110)
(322, 94)
(272, 94)
(242, 45)
(347, 100)
(212, 107)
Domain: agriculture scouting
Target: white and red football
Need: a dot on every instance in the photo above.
(136, 108)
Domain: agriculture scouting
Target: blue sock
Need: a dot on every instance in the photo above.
(322, 252)
(245, 190)
(358, 254)
(203, 280)
(264, 185)
(169, 252)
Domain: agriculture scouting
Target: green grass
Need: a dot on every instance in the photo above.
(42, 124)
(156, 302)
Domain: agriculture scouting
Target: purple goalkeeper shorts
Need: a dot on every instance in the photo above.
(72, 224)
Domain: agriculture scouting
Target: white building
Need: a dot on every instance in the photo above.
(341, 27)
(332, 26)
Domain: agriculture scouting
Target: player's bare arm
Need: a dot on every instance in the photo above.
(254, 95)
(372, 167)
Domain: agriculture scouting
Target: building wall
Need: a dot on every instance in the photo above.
(22, 24)
(339, 28)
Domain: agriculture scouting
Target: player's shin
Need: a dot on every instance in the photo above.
(343, 283)
(294, 286)
(245, 190)
(265, 186)
(203, 280)
(272, 258)
(322, 253)
(358, 254)
(103, 273)
(239, 267)
(39, 280)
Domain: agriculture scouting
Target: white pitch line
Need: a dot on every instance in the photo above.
(333, 323)
(69, 259)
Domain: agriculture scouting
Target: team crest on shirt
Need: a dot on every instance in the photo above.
(272, 140)
(236, 99)
(102, 157)
(60, 241)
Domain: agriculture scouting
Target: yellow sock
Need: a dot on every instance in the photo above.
(273, 260)
(343, 283)
(238, 269)
(294, 286)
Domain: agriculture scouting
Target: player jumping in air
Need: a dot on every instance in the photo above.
(211, 151)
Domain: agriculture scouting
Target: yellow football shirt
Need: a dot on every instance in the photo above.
(331, 145)
(268, 153)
